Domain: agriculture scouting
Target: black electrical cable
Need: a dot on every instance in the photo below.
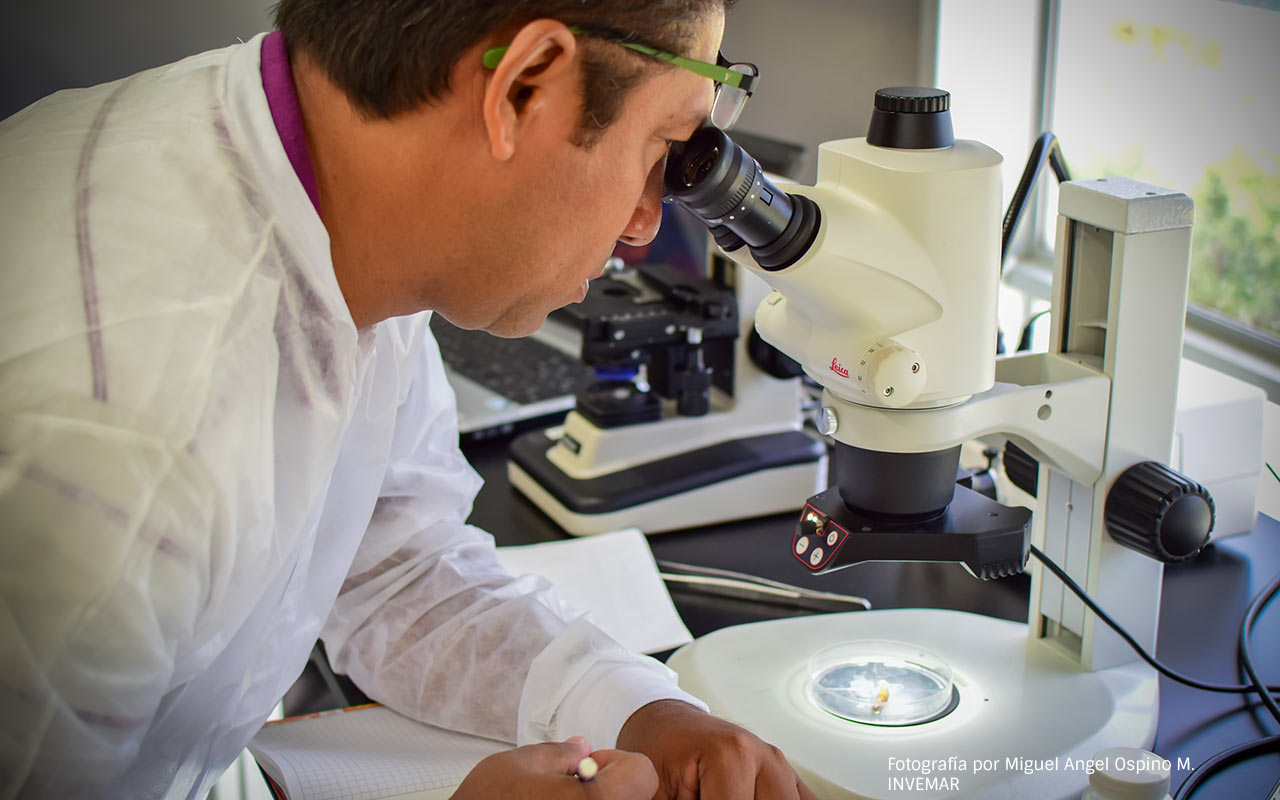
(1223, 760)
(1246, 654)
(1226, 758)
(1137, 648)
(1024, 341)
(1046, 148)
(1246, 628)
(1220, 761)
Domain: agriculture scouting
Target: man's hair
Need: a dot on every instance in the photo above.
(392, 56)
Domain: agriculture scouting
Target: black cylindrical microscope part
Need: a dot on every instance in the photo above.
(1159, 512)
(770, 359)
(898, 485)
(911, 118)
(693, 378)
(722, 185)
(713, 177)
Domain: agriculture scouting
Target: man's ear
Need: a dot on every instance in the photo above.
(538, 61)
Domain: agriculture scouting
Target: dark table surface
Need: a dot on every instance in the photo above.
(1202, 604)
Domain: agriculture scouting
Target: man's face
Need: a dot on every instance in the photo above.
(577, 203)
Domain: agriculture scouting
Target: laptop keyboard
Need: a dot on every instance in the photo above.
(522, 370)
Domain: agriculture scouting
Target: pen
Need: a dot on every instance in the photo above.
(587, 769)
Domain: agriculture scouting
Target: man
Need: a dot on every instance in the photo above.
(224, 427)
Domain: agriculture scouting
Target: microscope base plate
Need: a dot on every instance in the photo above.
(1028, 722)
(736, 479)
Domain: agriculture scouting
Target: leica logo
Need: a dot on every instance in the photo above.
(838, 368)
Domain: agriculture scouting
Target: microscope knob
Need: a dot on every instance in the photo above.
(891, 374)
(1021, 468)
(1154, 510)
(913, 100)
(770, 359)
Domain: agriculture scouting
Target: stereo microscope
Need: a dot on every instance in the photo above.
(885, 276)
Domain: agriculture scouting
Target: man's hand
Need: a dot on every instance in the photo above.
(700, 756)
(546, 772)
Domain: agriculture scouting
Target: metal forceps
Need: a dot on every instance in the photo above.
(727, 583)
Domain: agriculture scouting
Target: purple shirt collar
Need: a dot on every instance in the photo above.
(282, 99)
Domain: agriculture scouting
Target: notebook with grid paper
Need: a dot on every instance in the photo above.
(365, 753)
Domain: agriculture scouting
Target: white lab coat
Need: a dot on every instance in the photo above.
(204, 466)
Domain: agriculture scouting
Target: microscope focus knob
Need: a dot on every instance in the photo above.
(890, 374)
(1158, 512)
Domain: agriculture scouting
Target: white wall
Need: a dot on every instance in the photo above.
(987, 51)
(821, 62)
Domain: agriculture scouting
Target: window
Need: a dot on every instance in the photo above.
(1182, 94)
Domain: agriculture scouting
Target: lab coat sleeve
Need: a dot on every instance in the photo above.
(428, 623)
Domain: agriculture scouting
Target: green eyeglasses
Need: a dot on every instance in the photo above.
(734, 82)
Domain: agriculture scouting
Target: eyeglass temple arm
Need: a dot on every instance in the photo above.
(718, 73)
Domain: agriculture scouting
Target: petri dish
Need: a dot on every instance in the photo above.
(881, 682)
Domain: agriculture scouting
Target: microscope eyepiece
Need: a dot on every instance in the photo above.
(699, 165)
(722, 185)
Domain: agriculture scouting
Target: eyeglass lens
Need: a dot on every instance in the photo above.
(729, 100)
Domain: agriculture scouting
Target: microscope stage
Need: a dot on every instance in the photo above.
(1027, 722)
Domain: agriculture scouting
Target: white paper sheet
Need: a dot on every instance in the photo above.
(614, 578)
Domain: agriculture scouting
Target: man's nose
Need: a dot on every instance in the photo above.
(648, 213)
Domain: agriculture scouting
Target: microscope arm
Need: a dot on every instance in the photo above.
(1050, 404)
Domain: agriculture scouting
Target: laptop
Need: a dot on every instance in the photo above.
(505, 386)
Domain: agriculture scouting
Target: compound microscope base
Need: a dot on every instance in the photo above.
(747, 477)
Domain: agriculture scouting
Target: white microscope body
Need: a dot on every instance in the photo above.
(896, 307)
(892, 308)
